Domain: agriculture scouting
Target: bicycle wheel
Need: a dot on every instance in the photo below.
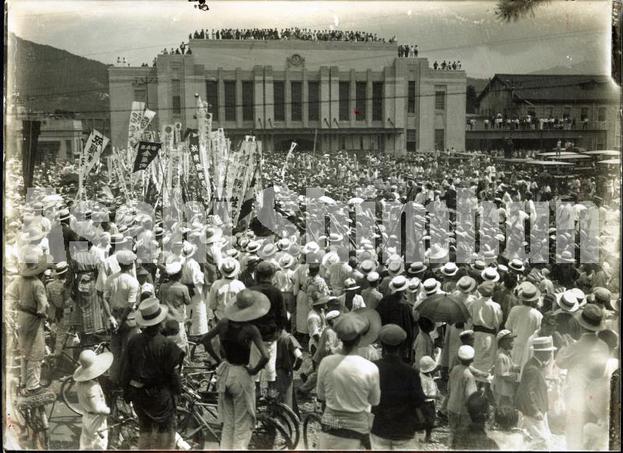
(270, 434)
(290, 419)
(311, 431)
(191, 429)
(69, 395)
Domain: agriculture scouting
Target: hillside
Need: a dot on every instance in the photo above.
(49, 79)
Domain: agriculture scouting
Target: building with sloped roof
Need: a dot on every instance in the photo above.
(536, 111)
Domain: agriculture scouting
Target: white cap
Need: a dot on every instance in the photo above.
(466, 352)
(332, 315)
(173, 267)
(373, 276)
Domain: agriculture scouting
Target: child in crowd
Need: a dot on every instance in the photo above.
(289, 359)
(429, 387)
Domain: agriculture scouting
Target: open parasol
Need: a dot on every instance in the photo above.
(443, 308)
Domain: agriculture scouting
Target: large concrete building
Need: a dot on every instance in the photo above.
(327, 95)
(583, 109)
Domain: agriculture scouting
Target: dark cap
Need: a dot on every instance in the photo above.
(392, 335)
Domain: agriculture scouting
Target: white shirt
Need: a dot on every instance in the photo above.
(348, 383)
(222, 293)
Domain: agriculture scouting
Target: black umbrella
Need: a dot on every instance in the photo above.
(443, 308)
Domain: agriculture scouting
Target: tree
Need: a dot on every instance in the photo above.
(471, 99)
(512, 10)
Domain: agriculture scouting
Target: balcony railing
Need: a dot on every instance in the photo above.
(481, 125)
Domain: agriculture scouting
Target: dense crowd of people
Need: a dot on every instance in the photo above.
(508, 351)
(447, 66)
(532, 122)
(305, 34)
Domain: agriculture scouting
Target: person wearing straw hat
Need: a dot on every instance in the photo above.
(194, 279)
(349, 385)
(351, 299)
(284, 281)
(486, 316)
(176, 297)
(524, 320)
(224, 290)
(394, 309)
(27, 295)
(395, 419)
(371, 295)
(235, 383)
(531, 397)
(121, 295)
(461, 384)
(95, 411)
(150, 377)
(505, 371)
(582, 359)
(428, 367)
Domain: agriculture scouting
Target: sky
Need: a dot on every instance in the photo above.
(561, 33)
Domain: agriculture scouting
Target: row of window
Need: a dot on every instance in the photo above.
(440, 97)
(440, 140)
(345, 113)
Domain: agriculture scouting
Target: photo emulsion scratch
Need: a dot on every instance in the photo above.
(312, 225)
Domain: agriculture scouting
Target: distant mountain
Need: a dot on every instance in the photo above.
(49, 79)
(584, 67)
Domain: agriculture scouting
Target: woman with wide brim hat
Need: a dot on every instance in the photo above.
(91, 399)
(235, 383)
(28, 294)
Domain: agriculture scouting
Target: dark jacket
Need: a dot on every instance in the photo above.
(531, 396)
(401, 393)
(395, 311)
(272, 322)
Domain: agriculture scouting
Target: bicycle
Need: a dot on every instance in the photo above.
(312, 426)
(277, 427)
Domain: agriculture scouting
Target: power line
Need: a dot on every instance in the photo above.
(416, 96)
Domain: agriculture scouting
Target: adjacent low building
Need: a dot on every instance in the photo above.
(537, 111)
(325, 95)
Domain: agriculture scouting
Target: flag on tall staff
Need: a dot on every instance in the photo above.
(147, 151)
(30, 132)
(285, 164)
(134, 126)
(95, 145)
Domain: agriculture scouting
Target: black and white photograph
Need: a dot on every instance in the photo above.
(312, 225)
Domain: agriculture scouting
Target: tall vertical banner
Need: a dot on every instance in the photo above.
(30, 131)
(204, 129)
(134, 126)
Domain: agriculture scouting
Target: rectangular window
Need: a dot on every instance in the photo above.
(601, 114)
(140, 94)
(247, 101)
(297, 100)
(176, 100)
(344, 101)
(411, 140)
(584, 113)
(440, 100)
(549, 112)
(440, 139)
(230, 100)
(566, 113)
(212, 98)
(377, 101)
(313, 99)
(279, 100)
(360, 101)
(411, 97)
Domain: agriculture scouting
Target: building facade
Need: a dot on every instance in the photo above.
(326, 95)
(583, 109)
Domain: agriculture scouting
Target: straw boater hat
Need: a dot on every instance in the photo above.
(373, 277)
(479, 265)
(151, 313)
(283, 244)
(416, 268)
(286, 261)
(529, 293)
(437, 252)
(490, 274)
(92, 365)
(568, 302)
(543, 344)
(253, 246)
(350, 285)
(517, 265)
(414, 285)
(189, 249)
(431, 285)
(503, 334)
(311, 247)
(229, 267)
(449, 269)
(249, 305)
(61, 268)
(466, 284)
(268, 251)
(398, 283)
(394, 267)
(367, 266)
(591, 317)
